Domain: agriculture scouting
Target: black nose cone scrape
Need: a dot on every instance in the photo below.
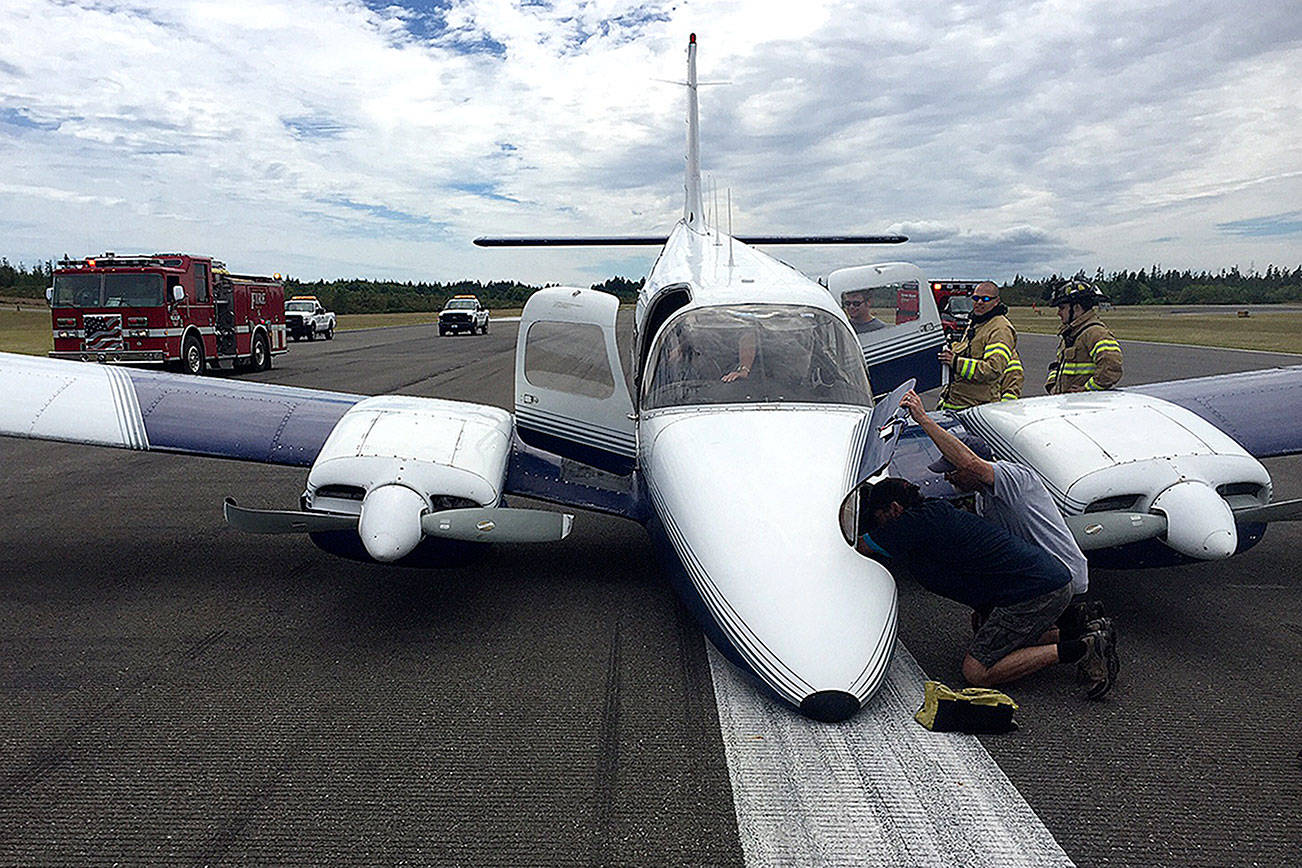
(830, 706)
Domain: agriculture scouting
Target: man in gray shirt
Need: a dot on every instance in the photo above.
(1013, 497)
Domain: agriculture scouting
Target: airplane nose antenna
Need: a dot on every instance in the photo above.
(1199, 521)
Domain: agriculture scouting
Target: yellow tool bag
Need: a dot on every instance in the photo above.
(973, 709)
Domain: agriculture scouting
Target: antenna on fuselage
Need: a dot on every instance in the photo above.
(730, 262)
(692, 210)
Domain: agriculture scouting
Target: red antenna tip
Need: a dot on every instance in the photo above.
(692, 39)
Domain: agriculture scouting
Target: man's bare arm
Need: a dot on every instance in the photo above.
(949, 445)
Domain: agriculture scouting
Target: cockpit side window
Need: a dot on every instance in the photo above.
(756, 354)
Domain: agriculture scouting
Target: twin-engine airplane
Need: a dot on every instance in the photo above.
(742, 446)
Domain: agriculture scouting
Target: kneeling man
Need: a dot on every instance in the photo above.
(975, 562)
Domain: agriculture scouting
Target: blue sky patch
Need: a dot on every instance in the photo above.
(1288, 223)
(480, 188)
(313, 127)
(19, 118)
(384, 212)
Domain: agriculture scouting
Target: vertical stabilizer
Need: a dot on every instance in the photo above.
(693, 213)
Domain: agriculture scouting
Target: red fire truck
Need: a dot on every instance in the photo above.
(170, 309)
(954, 301)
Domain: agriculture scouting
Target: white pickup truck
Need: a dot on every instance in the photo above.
(306, 318)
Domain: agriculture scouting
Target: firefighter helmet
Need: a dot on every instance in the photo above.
(1080, 292)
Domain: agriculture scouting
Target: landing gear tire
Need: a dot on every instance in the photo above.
(192, 361)
(260, 358)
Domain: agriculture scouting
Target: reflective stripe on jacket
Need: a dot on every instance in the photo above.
(981, 359)
(1089, 357)
(1010, 384)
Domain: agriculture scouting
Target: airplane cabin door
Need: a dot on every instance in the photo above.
(571, 397)
(894, 315)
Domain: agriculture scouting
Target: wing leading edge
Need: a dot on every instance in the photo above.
(1259, 409)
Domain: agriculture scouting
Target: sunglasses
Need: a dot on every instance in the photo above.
(984, 297)
(852, 303)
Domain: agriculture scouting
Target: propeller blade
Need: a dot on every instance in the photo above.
(1284, 510)
(489, 524)
(283, 520)
(1101, 530)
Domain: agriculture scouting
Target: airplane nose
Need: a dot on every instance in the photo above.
(1199, 521)
(1220, 544)
(390, 522)
(830, 706)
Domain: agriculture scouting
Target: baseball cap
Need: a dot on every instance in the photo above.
(976, 444)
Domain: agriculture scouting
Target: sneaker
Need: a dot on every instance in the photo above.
(1075, 619)
(1098, 668)
(1103, 625)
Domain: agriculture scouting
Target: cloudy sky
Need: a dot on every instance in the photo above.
(340, 138)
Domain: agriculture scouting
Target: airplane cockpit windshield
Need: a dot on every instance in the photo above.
(756, 354)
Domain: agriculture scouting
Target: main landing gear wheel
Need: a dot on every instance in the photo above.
(192, 357)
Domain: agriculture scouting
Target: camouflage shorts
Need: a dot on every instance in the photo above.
(1011, 627)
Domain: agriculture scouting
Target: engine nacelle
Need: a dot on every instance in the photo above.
(392, 457)
(1120, 452)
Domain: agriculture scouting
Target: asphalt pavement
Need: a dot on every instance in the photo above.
(176, 692)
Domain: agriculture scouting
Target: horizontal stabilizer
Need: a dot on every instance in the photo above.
(490, 524)
(659, 240)
(1285, 510)
(1102, 530)
(284, 520)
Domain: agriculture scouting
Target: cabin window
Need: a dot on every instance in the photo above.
(873, 310)
(756, 354)
(568, 357)
(201, 283)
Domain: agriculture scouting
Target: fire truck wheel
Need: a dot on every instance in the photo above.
(260, 359)
(192, 357)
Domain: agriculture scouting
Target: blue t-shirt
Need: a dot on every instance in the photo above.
(958, 555)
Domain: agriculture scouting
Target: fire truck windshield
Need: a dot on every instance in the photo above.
(108, 290)
(959, 304)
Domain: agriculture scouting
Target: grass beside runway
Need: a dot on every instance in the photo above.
(28, 331)
(1276, 332)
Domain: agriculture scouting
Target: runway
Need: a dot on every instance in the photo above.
(174, 691)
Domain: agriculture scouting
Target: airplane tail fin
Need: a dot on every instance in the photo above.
(693, 211)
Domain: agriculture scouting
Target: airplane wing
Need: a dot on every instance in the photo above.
(659, 240)
(1259, 409)
(50, 399)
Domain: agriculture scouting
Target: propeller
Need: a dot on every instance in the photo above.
(394, 520)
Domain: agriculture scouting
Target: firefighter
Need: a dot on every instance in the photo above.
(980, 361)
(1089, 357)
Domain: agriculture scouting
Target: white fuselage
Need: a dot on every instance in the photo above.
(749, 495)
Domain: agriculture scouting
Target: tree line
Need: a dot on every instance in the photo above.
(1153, 285)
(1156, 285)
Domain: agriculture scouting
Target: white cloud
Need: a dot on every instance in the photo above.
(372, 139)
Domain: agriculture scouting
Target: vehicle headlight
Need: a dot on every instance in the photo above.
(65, 334)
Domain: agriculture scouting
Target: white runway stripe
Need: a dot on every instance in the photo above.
(876, 790)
